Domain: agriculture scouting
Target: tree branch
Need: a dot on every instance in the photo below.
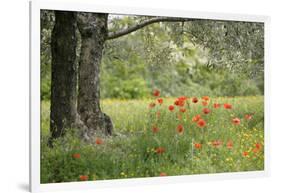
(113, 35)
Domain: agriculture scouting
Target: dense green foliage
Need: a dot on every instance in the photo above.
(218, 58)
(132, 150)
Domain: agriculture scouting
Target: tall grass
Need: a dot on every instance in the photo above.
(146, 141)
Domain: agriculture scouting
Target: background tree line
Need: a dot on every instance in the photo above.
(218, 58)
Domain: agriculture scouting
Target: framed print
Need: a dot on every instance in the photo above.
(122, 96)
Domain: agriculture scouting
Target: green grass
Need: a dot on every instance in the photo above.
(131, 151)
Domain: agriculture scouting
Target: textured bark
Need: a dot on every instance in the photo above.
(64, 74)
(93, 30)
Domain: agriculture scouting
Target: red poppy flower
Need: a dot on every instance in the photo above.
(151, 105)
(204, 103)
(83, 177)
(206, 98)
(155, 129)
(216, 143)
(76, 155)
(171, 107)
(194, 100)
(196, 118)
(180, 129)
(216, 105)
(229, 144)
(197, 145)
(183, 98)
(227, 106)
(248, 117)
(182, 110)
(160, 150)
(236, 121)
(179, 102)
(99, 141)
(258, 145)
(156, 93)
(206, 111)
(201, 123)
(160, 100)
(162, 174)
(245, 153)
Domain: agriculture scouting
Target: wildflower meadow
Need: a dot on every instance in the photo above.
(163, 137)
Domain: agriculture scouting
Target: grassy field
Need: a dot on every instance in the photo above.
(151, 138)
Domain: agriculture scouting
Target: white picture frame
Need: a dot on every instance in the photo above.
(36, 6)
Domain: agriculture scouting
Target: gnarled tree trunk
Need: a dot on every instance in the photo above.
(64, 74)
(93, 30)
